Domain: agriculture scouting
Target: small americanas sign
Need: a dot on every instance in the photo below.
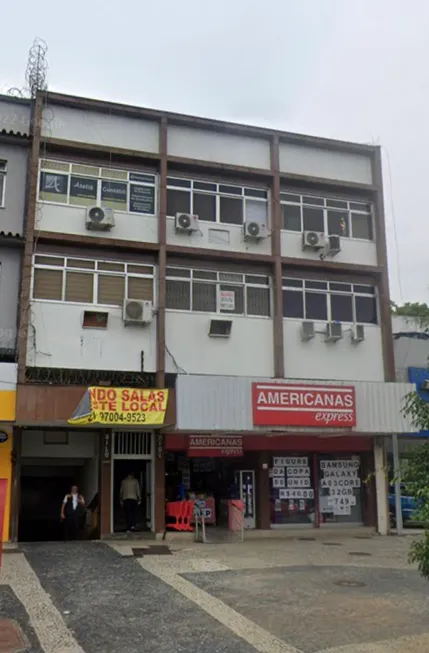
(215, 446)
(290, 404)
(123, 406)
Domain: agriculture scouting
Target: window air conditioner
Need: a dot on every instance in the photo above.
(333, 245)
(99, 218)
(186, 223)
(358, 333)
(136, 311)
(307, 330)
(255, 230)
(334, 331)
(313, 240)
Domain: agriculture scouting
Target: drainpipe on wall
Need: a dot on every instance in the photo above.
(383, 521)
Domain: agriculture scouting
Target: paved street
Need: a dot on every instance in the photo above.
(339, 594)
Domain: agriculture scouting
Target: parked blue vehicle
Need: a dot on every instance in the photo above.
(408, 506)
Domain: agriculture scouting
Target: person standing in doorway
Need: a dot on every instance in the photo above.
(130, 498)
(72, 513)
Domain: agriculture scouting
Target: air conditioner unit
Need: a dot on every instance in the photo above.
(99, 218)
(186, 223)
(358, 333)
(307, 330)
(334, 331)
(333, 246)
(137, 311)
(254, 230)
(313, 240)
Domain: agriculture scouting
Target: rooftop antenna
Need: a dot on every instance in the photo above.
(37, 66)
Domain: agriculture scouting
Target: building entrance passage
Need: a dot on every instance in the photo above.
(51, 462)
(132, 454)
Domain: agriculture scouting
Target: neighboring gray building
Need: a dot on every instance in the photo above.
(14, 154)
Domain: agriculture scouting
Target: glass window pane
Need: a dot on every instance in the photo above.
(365, 290)
(48, 284)
(172, 181)
(338, 223)
(337, 204)
(178, 201)
(178, 272)
(317, 285)
(79, 287)
(292, 217)
(178, 295)
(362, 226)
(231, 299)
(140, 288)
(293, 283)
(287, 197)
(204, 297)
(293, 303)
(291, 496)
(316, 306)
(203, 185)
(231, 210)
(111, 289)
(253, 192)
(340, 287)
(49, 260)
(309, 199)
(111, 267)
(231, 277)
(204, 274)
(341, 308)
(358, 206)
(80, 263)
(254, 278)
(205, 207)
(258, 301)
(366, 310)
(231, 190)
(313, 219)
(256, 211)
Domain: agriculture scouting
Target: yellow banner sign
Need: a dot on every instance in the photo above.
(121, 406)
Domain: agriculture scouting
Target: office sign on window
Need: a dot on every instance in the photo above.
(288, 404)
(142, 199)
(227, 300)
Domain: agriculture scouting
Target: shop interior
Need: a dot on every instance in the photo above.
(213, 480)
(141, 470)
(51, 462)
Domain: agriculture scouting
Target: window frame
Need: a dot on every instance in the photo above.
(328, 292)
(218, 283)
(3, 176)
(218, 193)
(326, 208)
(95, 271)
(99, 179)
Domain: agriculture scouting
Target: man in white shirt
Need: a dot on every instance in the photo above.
(72, 512)
(130, 498)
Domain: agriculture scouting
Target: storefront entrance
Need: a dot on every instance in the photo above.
(132, 454)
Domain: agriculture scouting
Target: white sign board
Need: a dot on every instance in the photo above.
(297, 471)
(292, 461)
(227, 300)
(279, 481)
(296, 493)
(298, 482)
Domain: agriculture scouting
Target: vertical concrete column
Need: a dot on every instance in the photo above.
(105, 490)
(383, 522)
(263, 491)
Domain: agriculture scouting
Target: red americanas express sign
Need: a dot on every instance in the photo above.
(215, 446)
(291, 404)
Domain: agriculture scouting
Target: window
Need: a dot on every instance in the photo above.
(85, 281)
(212, 202)
(85, 185)
(329, 301)
(228, 293)
(3, 169)
(344, 218)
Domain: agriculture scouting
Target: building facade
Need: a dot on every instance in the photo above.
(14, 155)
(171, 261)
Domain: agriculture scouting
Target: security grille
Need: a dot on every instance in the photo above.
(132, 444)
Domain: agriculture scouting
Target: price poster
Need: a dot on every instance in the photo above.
(339, 482)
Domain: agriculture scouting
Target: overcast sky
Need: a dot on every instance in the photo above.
(334, 68)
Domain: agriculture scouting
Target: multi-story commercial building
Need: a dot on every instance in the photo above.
(14, 151)
(240, 271)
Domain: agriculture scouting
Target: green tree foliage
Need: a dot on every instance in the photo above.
(416, 479)
(415, 311)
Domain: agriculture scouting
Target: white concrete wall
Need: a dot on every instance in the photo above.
(71, 220)
(205, 145)
(383, 521)
(361, 252)
(99, 128)
(15, 115)
(249, 350)
(8, 376)
(325, 163)
(58, 339)
(81, 444)
(224, 237)
(342, 360)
